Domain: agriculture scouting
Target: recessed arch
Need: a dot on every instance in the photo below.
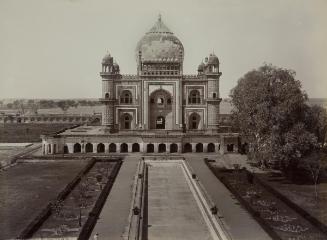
(100, 148)
(162, 148)
(173, 148)
(150, 148)
(194, 121)
(89, 147)
(66, 149)
(124, 148)
(194, 97)
(187, 148)
(126, 121)
(211, 147)
(199, 147)
(126, 97)
(112, 147)
(135, 147)
(77, 148)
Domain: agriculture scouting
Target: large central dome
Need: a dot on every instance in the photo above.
(160, 45)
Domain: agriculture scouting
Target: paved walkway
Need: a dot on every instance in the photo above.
(114, 215)
(173, 212)
(239, 222)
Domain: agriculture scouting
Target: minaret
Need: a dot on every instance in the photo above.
(211, 70)
(110, 72)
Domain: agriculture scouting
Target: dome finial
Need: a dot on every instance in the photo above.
(159, 17)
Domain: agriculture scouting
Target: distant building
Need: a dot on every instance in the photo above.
(159, 109)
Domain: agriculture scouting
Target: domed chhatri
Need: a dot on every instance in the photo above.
(213, 59)
(159, 44)
(107, 59)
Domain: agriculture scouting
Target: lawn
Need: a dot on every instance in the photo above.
(28, 187)
(71, 214)
(269, 210)
(28, 132)
(302, 195)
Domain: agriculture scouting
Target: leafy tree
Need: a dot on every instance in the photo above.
(316, 121)
(63, 105)
(10, 105)
(81, 196)
(314, 165)
(269, 108)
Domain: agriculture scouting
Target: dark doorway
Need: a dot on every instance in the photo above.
(187, 148)
(199, 147)
(230, 147)
(160, 122)
(135, 147)
(65, 149)
(77, 148)
(150, 148)
(124, 148)
(211, 147)
(112, 147)
(162, 148)
(89, 147)
(100, 148)
(173, 148)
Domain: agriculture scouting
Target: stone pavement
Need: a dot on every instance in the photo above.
(238, 221)
(114, 215)
(173, 212)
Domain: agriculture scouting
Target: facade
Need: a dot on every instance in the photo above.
(160, 109)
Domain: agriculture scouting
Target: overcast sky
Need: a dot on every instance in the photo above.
(53, 48)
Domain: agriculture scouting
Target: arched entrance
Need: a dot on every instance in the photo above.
(100, 148)
(230, 147)
(160, 110)
(135, 147)
(124, 148)
(162, 148)
(112, 147)
(199, 147)
(150, 148)
(89, 147)
(187, 148)
(77, 148)
(126, 121)
(211, 147)
(173, 148)
(160, 122)
(194, 121)
(66, 149)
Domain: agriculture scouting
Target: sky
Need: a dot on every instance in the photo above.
(53, 48)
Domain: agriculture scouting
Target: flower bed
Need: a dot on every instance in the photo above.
(70, 215)
(278, 219)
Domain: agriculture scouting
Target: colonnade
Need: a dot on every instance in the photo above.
(87, 147)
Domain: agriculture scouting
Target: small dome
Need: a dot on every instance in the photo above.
(201, 67)
(116, 67)
(160, 45)
(107, 59)
(213, 59)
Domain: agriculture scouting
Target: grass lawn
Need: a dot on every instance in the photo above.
(302, 195)
(273, 212)
(65, 222)
(26, 188)
(28, 132)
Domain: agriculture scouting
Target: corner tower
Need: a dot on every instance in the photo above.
(110, 72)
(210, 68)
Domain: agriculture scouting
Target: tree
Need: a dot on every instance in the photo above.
(316, 120)
(269, 108)
(81, 196)
(314, 165)
(63, 105)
